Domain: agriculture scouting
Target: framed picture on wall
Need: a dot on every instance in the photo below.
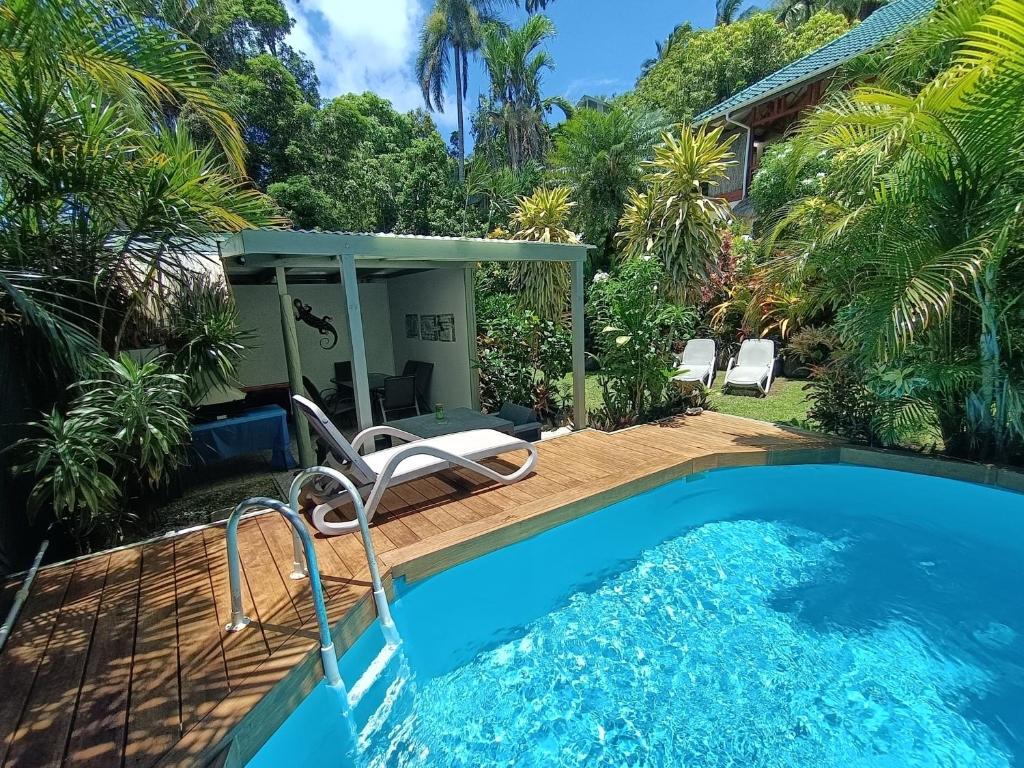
(412, 326)
(428, 328)
(446, 327)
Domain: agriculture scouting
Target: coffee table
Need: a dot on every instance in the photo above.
(455, 420)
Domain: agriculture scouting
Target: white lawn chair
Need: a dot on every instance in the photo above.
(376, 472)
(753, 365)
(697, 363)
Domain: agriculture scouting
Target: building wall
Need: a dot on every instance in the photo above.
(265, 362)
(437, 291)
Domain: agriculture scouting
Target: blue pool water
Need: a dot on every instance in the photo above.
(773, 616)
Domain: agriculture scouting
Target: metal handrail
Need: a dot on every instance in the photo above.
(380, 599)
(238, 618)
(304, 563)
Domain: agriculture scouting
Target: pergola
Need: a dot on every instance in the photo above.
(277, 254)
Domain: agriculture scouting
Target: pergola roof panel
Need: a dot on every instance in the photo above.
(290, 247)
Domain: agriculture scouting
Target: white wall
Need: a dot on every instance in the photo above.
(265, 363)
(438, 291)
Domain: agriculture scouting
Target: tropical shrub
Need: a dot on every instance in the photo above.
(597, 154)
(787, 173)
(634, 326)
(671, 218)
(72, 460)
(123, 435)
(204, 337)
(521, 358)
(918, 245)
(543, 217)
(808, 348)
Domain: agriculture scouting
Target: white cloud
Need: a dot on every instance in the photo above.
(363, 45)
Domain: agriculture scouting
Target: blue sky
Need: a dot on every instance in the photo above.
(371, 44)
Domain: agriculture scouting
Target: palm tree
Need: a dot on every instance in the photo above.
(662, 48)
(919, 240)
(725, 11)
(451, 32)
(515, 66)
(598, 156)
(103, 197)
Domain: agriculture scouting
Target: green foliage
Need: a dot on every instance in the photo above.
(543, 218)
(598, 156)
(364, 167)
(124, 433)
(204, 338)
(672, 219)
(522, 358)
(514, 114)
(915, 239)
(703, 67)
(72, 460)
(842, 403)
(635, 326)
(103, 197)
(276, 112)
(144, 408)
(810, 347)
(787, 173)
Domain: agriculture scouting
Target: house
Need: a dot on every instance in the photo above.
(389, 299)
(765, 111)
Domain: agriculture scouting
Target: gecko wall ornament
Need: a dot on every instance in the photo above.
(304, 313)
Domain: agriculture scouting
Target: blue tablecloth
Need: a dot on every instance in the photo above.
(259, 429)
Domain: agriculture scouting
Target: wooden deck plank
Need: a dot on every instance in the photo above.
(243, 651)
(271, 605)
(278, 536)
(26, 645)
(101, 718)
(200, 650)
(156, 619)
(154, 711)
(42, 735)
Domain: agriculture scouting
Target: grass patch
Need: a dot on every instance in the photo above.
(786, 401)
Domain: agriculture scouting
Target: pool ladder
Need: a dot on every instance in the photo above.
(304, 564)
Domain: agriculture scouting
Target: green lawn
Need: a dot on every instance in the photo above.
(786, 402)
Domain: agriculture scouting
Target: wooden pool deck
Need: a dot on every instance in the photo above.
(120, 659)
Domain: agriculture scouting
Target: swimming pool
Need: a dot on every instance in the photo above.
(815, 615)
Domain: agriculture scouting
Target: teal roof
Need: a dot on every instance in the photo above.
(869, 34)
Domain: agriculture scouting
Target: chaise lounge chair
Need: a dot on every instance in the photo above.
(376, 472)
(697, 363)
(753, 365)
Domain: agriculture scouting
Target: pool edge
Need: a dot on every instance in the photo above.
(438, 553)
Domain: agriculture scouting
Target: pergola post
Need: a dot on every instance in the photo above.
(360, 374)
(294, 364)
(474, 353)
(579, 381)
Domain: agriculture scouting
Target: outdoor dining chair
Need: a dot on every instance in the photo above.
(398, 394)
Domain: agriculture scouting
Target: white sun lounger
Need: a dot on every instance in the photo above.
(753, 365)
(697, 363)
(376, 472)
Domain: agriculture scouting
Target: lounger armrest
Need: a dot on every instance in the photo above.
(372, 433)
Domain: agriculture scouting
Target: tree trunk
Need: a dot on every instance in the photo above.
(459, 75)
